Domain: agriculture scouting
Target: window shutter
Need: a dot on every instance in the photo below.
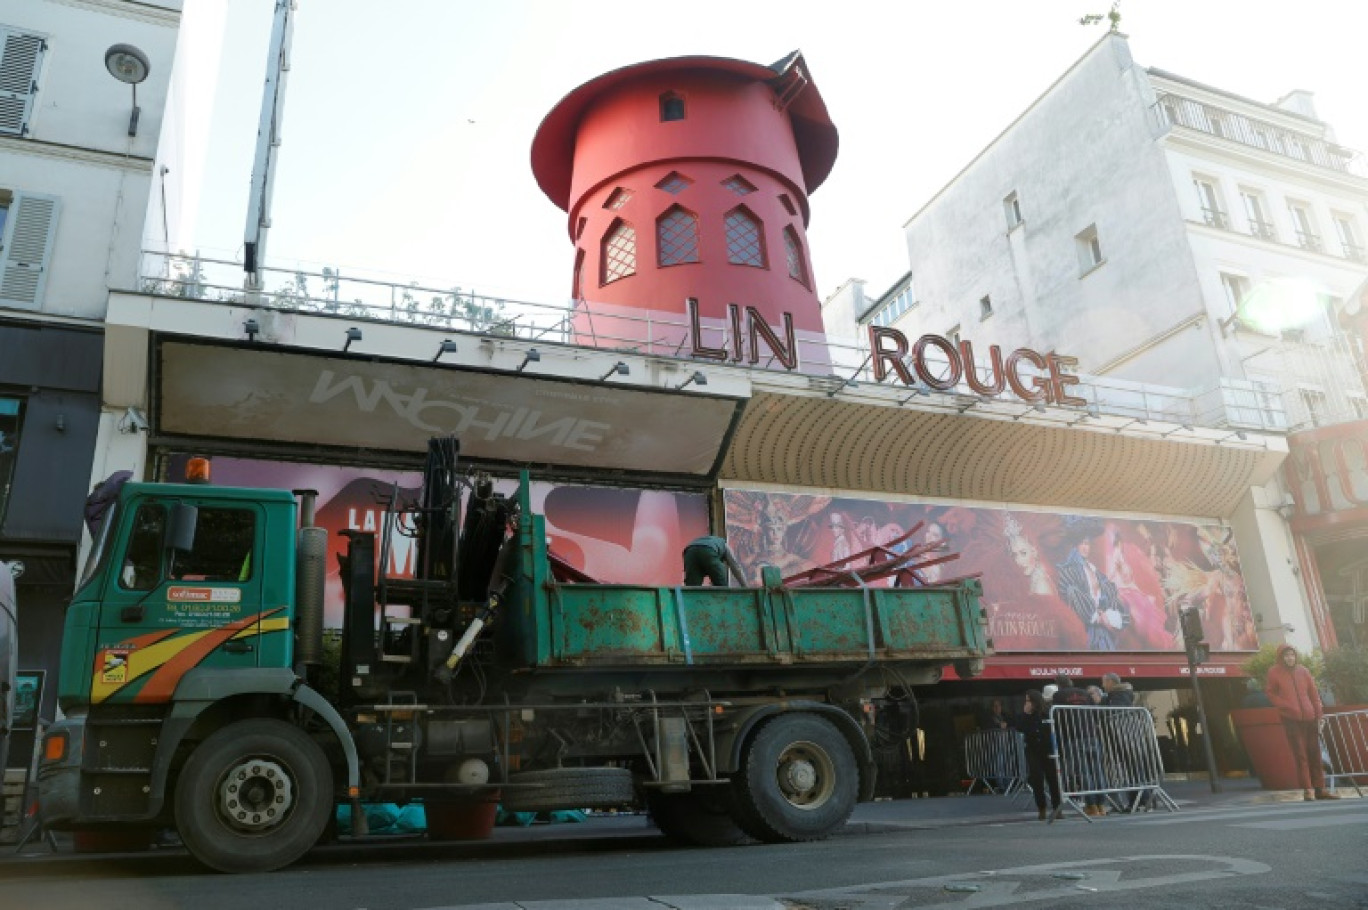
(27, 245)
(20, 55)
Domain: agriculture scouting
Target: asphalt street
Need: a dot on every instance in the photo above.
(1243, 848)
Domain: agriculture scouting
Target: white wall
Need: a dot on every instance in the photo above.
(79, 103)
(78, 149)
(1083, 155)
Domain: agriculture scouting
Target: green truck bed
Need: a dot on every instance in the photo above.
(548, 624)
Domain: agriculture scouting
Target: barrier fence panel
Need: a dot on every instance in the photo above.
(996, 759)
(1108, 756)
(1345, 738)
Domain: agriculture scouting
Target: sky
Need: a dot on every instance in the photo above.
(408, 124)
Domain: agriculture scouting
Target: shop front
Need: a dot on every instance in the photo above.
(49, 409)
(631, 457)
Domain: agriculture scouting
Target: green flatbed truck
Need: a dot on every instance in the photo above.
(199, 693)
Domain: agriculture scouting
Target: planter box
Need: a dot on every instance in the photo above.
(1261, 732)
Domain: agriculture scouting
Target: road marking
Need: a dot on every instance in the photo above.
(1282, 811)
(1297, 824)
(1003, 887)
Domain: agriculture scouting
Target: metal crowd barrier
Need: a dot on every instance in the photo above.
(996, 759)
(1345, 738)
(1108, 756)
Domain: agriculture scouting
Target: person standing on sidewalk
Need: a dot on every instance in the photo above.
(1127, 733)
(1293, 692)
(1040, 766)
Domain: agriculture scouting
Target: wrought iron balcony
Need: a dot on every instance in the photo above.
(1308, 241)
(1177, 110)
(1264, 230)
(1216, 218)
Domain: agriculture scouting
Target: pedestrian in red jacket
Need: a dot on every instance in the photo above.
(1293, 692)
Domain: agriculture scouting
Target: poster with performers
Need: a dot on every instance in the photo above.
(1052, 582)
(617, 535)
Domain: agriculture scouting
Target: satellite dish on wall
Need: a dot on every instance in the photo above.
(129, 65)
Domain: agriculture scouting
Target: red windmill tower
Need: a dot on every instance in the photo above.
(687, 179)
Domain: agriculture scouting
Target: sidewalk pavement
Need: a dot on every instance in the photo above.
(868, 818)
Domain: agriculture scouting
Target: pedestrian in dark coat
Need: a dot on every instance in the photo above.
(1040, 766)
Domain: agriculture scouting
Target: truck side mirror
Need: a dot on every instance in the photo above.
(180, 528)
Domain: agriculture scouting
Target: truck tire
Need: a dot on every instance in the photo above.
(569, 788)
(701, 818)
(798, 780)
(253, 797)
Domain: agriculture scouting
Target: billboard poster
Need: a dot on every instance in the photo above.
(272, 395)
(1052, 582)
(618, 535)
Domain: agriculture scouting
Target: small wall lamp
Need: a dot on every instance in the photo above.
(531, 355)
(353, 334)
(698, 378)
(619, 368)
(252, 328)
(446, 347)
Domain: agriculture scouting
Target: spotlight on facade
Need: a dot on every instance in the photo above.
(353, 334)
(446, 347)
(252, 328)
(531, 355)
(698, 378)
(619, 368)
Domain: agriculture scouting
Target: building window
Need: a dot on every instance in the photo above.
(10, 413)
(1256, 214)
(673, 183)
(1011, 206)
(985, 306)
(619, 252)
(1348, 235)
(617, 199)
(579, 227)
(577, 283)
(745, 243)
(1360, 406)
(787, 203)
(671, 107)
(1304, 226)
(1235, 287)
(222, 551)
(28, 226)
(793, 252)
(21, 56)
(1315, 404)
(677, 237)
(1089, 249)
(1209, 198)
(739, 185)
(902, 302)
(953, 336)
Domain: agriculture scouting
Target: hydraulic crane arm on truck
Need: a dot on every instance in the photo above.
(198, 693)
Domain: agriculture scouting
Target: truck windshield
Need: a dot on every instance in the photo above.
(97, 551)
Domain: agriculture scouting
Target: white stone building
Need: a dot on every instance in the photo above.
(83, 93)
(1203, 255)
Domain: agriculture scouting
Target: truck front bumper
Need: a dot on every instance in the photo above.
(59, 780)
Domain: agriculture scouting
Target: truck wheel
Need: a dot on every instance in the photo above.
(569, 788)
(700, 818)
(253, 797)
(798, 780)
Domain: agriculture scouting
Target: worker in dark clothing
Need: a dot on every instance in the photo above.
(709, 557)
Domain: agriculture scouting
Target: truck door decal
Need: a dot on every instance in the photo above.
(167, 656)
